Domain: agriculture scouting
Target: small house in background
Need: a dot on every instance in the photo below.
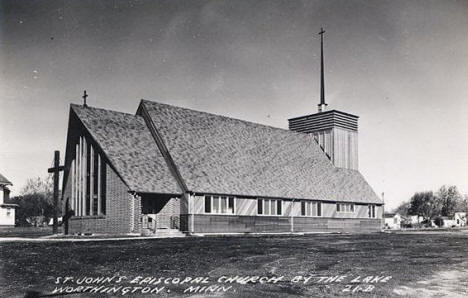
(448, 222)
(392, 221)
(7, 211)
(460, 219)
(413, 220)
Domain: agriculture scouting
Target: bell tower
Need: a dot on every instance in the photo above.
(335, 132)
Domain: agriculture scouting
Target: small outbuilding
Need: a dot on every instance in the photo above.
(7, 211)
(460, 219)
(392, 221)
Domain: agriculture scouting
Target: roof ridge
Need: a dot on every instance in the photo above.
(224, 116)
(74, 105)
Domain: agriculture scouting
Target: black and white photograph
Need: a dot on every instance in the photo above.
(234, 148)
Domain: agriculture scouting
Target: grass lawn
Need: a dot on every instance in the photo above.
(416, 262)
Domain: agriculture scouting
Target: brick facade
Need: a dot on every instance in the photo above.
(169, 215)
(119, 211)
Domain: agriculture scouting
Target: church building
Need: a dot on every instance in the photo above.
(168, 169)
(171, 168)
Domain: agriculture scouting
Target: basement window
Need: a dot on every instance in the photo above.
(311, 208)
(345, 208)
(269, 207)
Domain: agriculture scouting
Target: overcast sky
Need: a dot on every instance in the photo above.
(402, 66)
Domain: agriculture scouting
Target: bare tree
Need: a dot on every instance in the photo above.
(35, 202)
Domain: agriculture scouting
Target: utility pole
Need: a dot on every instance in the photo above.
(56, 170)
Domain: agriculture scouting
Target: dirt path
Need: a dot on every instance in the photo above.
(448, 283)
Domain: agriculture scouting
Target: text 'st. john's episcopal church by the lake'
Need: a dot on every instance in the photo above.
(167, 170)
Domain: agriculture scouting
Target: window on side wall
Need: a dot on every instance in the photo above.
(311, 208)
(207, 204)
(269, 207)
(231, 209)
(371, 211)
(345, 207)
(216, 205)
(219, 205)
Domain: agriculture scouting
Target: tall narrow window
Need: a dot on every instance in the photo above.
(273, 206)
(260, 206)
(231, 205)
(207, 204)
(279, 207)
(103, 186)
(95, 182)
(267, 206)
(303, 208)
(215, 204)
(223, 205)
(371, 211)
(319, 208)
(88, 179)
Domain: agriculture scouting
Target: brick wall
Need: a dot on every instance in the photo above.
(137, 215)
(276, 224)
(117, 219)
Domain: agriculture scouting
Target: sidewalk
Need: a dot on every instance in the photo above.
(79, 239)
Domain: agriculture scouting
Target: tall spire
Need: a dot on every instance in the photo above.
(322, 106)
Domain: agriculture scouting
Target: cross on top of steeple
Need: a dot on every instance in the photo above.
(84, 98)
(322, 105)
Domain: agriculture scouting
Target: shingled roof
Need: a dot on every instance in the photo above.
(221, 155)
(130, 148)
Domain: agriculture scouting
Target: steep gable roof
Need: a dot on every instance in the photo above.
(129, 146)
(4, 180)
(217, 154)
